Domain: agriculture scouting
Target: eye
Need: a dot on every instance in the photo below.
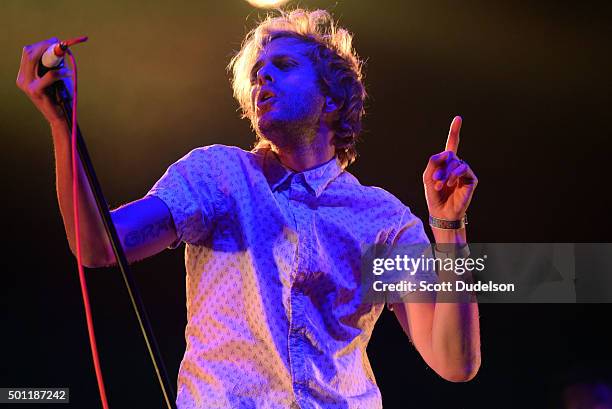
(285, 64)
(253, 74)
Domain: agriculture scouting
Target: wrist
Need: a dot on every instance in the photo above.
(446, 236)
(57, 123)
(452, 223)
(51, 111)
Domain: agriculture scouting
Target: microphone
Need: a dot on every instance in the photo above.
(53, 57)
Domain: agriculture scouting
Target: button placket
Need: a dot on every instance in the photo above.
(297, 195)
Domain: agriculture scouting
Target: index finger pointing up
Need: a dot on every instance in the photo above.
(452, 143)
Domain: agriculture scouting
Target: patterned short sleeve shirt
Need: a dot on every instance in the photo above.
(274, 311)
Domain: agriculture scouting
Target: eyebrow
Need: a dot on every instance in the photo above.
(274, 57)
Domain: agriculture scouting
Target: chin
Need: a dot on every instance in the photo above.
(265, 127)
(283, 130)
(269, 123)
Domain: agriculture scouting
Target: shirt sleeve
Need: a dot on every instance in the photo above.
(189, 189)
(409, 239)
(409, 230)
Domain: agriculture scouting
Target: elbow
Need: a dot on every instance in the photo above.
(461, 373)
(95, 263)
(92, 259)
(459, 376)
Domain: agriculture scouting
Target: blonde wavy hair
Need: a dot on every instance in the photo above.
(338, 65)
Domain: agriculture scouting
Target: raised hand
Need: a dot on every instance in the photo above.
(34, 86)
(449, 181)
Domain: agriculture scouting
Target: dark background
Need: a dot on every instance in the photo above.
(529, 80)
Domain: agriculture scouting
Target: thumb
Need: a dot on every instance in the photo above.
(38, 86)
(52, 76)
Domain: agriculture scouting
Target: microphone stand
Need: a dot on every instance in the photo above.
(64, 99)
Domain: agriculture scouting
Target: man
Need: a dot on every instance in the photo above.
(274, 236)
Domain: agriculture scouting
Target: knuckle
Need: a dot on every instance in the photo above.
(435, 158)
(31, 91)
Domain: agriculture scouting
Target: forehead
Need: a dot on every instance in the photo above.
(287, 46)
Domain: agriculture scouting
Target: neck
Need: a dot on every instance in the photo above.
(303, 156)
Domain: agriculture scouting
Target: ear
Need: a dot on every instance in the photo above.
(330, 105)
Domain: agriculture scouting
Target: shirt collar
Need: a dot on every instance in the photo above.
(316, 178)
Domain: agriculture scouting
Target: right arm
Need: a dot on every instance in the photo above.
(144, 227)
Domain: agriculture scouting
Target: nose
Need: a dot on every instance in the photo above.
(264, 74)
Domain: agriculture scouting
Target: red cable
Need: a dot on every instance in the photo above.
(75, 187)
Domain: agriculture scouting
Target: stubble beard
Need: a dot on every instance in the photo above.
(296, 131)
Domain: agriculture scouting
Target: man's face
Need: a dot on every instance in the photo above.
(285, 92)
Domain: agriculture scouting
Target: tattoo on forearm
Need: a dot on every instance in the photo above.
(148, 232)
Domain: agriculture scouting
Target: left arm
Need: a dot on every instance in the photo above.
(446, 334)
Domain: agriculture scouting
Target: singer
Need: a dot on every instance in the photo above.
(274, 235)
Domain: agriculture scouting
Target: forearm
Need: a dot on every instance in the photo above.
(94, 242)
(455, 329)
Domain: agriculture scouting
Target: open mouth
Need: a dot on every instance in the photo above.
(264, 97)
